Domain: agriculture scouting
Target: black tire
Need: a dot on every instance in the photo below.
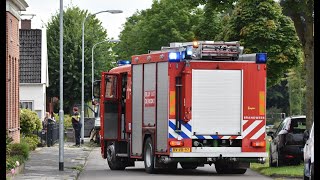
(148, 156)
(271, 164)
(226, 169)
(239, 171)
(187, 165)
(279, 161)
(114, 162)
(220, 169)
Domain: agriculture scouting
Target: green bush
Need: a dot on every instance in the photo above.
(29, 121)
(32, 140)
(67, 120)
(8, 141)
(18, 149)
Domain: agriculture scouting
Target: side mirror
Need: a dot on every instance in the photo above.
(270, 134)
(305, 136)
(96, 89)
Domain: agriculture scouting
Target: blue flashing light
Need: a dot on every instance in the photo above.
(174, 57)
(261, 58)
(189, 50)
(123, 62)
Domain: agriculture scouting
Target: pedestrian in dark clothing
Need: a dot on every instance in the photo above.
(76, 125)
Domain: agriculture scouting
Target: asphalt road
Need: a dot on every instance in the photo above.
(97, 168)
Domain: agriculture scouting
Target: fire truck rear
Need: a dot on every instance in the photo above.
(191, 103)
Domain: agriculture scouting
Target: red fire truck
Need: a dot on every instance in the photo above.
(192, 103)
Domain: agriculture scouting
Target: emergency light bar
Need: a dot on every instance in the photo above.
(176, 56)
(123, 62)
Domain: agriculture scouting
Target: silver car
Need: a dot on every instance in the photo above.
(308, 154)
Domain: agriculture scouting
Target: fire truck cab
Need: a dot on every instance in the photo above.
(192, 103)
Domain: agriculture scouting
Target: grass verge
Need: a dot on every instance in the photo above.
(284, 171)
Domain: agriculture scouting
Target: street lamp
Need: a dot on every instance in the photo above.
(61, 112)
(82, 94)
(115, 41)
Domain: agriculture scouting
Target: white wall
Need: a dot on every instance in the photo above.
(35, 93)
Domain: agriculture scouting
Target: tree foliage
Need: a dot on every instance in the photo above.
(302, 14)
(72, 54)
(209, 24)
(261, 27)
(297, 89)
(278, 97)
(166, 21)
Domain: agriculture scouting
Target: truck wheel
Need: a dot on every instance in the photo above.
(220, 169)
(148, 156)
(223, 168)
(113, 162)
(239, 171)
(187, 165)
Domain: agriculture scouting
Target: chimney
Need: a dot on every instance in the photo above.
(25, 24)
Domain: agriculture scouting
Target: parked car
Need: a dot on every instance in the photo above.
(308, 153)
(287, 142)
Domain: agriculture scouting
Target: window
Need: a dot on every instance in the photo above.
(26, 105)
(281, 126)
(39, 113)
(111, 86)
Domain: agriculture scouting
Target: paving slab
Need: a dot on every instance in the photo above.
(43, 163)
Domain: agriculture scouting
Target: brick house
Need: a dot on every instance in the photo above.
(33, 68)
(13, 7)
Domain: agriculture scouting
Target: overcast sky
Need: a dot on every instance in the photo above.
(44, 9)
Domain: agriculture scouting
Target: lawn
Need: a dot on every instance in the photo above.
(286, 171)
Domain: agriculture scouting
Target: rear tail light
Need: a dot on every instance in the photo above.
(258, 144)
(289, 156)
(176, 143)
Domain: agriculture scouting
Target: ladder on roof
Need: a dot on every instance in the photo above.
(206, 49)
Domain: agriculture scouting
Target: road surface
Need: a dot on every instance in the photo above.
(97, 168)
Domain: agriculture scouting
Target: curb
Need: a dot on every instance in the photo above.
(84, 165)
(290, 177)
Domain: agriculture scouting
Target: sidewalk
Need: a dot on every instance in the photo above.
(43, 163)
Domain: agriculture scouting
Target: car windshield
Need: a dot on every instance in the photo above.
(298, 125)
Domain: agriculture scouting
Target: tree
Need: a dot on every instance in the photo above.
(209, 25)
(72, 55)
(166, 21)
(278, 97)
(297, 89)
(302, 14)
(261, 27)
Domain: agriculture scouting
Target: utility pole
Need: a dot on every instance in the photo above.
(61, 113)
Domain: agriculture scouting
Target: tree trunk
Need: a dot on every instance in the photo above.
(309, 62)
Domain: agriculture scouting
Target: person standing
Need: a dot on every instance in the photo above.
(76, 125)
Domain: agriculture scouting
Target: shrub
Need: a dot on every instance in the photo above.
(29, 121)
(8, 141)
(11, 161)
(32, 140)
(21, 148)
(67, 120)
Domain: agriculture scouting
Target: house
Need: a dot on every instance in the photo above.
(13, 7)
(33, 68)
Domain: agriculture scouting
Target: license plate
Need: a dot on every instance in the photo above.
(185, 149)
